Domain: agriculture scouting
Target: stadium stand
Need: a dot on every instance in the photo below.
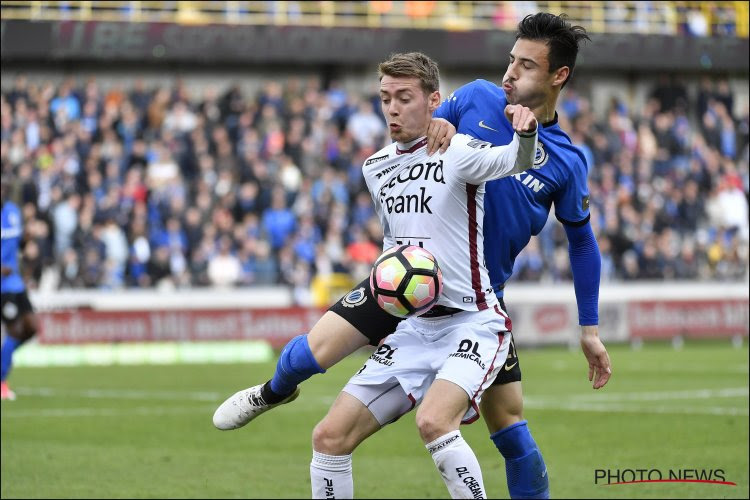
(126, 184)
(130, 187)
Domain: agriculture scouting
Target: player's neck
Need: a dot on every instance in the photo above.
(411, 142)
(545, 112)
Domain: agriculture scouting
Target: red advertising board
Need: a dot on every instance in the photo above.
(689, 318)
(86, 326)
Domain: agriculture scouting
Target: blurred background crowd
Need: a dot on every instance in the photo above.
(139, 186)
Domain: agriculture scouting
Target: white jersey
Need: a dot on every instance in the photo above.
(437, 202)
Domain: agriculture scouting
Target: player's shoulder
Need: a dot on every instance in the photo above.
(479, 88)
(384, 154)
(377, 160)
(555, 138)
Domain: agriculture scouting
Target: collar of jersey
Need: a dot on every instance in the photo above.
(403, 148)
(551, 122)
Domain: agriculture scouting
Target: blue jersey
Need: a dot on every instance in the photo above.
(12, 229)
(517, 207)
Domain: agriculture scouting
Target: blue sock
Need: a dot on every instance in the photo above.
(6, 355)
(524, 466)
(296, 364)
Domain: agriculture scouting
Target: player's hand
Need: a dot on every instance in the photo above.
(521, 117)
(439, 135)
(600, 368)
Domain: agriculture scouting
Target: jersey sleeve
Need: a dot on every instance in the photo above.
(474, 161)
(451, 108)
(572, 200)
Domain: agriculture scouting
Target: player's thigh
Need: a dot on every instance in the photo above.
(361, 310)
(502, 405)
(478, 351)
(347, 424)
(333, 338)
(442, 409)
(386, 401)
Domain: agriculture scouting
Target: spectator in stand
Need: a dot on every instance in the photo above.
(133, 186)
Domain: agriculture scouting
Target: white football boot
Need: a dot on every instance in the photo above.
(243, 406)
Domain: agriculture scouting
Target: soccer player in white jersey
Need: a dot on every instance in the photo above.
(437, 203)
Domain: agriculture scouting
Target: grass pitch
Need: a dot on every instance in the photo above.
(146, 432)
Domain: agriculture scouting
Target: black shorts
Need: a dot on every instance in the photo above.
(360, 308)
(14, 306)
(511, 370)
(362, 311)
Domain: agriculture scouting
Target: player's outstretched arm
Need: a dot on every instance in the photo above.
(439, 134)
(478, 161)
(600, 368)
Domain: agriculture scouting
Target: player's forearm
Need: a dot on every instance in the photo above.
(519, 154)
(499, 161)
(526, 151)
(585, 264)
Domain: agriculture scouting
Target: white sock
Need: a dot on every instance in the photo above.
(331, 476)
(458, 465)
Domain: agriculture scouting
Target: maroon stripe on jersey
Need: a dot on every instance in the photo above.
(411, 149)
(476, 278)
(508, 322)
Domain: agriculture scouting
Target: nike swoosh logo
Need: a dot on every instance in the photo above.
(544, 473)
(481, 124)
(509, 368)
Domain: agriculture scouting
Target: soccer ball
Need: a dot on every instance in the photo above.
(406, 281)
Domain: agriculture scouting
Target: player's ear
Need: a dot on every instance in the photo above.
(561, 74)
(433, 100)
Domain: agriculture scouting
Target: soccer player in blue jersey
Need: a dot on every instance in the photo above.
(17, 313)
(516, 208)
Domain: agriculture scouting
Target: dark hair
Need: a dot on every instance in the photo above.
(561, 38)
(413, 64)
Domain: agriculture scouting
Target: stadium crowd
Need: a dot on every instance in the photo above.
(144, 187)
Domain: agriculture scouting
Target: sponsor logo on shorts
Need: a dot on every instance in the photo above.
(355, 298)
(468, 349)
(384, 355)
(510, 367)
(470, 482)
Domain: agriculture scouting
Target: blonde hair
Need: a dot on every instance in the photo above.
(412, 64)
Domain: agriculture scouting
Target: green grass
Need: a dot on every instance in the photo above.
(146, 432)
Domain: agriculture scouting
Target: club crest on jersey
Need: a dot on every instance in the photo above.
(541, 157)
(354, 298)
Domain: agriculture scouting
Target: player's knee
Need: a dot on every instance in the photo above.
(330, 440)
(502, 406)
(431, 426)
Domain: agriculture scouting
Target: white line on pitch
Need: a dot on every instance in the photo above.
(120, 394)
(615, 408)
(146, 411)
(729, 392)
